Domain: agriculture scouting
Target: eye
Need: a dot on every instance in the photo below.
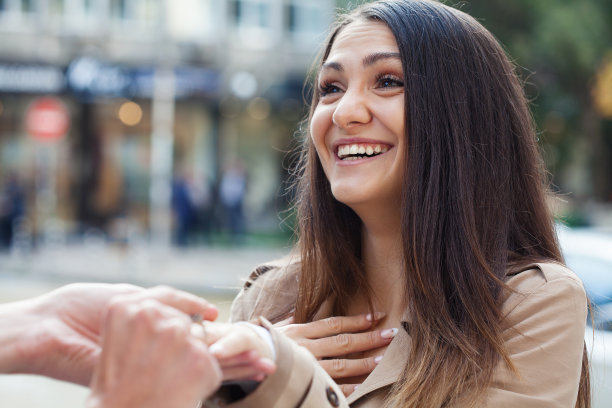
(389, 81)
(327, 88)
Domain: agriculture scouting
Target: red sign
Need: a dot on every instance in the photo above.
(47, 119)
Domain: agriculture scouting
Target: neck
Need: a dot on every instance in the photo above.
(383, 260)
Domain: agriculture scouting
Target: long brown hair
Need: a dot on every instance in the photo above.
(473, 203)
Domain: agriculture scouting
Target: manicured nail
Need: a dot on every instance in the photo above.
(378, 359)
(216, 349)
(388, 333)
(377, 316)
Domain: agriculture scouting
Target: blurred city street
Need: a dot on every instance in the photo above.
(156, 142)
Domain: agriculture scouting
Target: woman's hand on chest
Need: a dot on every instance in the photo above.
(347, 347)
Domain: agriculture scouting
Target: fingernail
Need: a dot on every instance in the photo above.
(388, 333)
(377, 316)
(355, 388)
(378, 359)
(216, 349)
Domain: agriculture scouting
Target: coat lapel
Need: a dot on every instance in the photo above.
(389, 370)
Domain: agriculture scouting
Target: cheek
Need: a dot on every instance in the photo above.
(319, 126)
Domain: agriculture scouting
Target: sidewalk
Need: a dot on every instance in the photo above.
(203, 270)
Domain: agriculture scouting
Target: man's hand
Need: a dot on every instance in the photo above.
(152, 356)
(58, 334)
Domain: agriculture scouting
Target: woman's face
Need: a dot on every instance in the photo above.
(358, 124)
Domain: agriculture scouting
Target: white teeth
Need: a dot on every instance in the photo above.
(350, 152)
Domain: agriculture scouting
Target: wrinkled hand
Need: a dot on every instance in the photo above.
(63, 339)
(151, 357)
(340, 336)
(240, 351)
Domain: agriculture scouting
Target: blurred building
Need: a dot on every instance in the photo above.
(144, 92)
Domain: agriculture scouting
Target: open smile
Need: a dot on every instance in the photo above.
(359, 151)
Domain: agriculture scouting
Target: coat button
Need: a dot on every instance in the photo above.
(332, 397)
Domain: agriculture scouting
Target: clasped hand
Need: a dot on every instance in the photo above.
(334, 341)
(337, 341)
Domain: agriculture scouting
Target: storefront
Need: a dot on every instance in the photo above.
(96, 178)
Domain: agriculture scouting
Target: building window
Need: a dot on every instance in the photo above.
(251, 13)
(136, 14)
(306, 18)
(18, 6)
(308, 21)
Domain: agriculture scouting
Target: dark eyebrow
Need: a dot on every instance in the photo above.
(367, 61)
(333, 65)
(374, 58)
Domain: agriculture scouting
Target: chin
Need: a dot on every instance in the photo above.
(348, 196)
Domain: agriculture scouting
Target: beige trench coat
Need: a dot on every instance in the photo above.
(543, 332)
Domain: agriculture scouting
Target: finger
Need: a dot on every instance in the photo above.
(215, 331)
(345, 367)
(339, 324)
(346, 343)
(348, 389)
(247, 357)
(235, 342)
(289, 320)
(257, 370)
(183, 301)
(180, 300)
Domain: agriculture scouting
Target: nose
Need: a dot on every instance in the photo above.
(352, 110)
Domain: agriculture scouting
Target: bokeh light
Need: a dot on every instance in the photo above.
(130, 113)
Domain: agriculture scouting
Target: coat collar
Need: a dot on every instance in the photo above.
(389, 370)
(391, 367)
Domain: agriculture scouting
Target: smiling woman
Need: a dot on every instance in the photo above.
(429, 273)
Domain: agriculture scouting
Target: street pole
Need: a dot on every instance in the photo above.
(162, 146)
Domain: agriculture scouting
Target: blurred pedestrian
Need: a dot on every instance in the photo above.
(232, 191)
(184, 209)
(199, 189)
(12, 209)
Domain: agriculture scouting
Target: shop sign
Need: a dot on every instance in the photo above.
(47, 119)
(31, 78)
(89, 77)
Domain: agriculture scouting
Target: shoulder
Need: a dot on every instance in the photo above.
(270, 290)
(539, 283)
(543, 317)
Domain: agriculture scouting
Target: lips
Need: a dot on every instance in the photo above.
(357, 151)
